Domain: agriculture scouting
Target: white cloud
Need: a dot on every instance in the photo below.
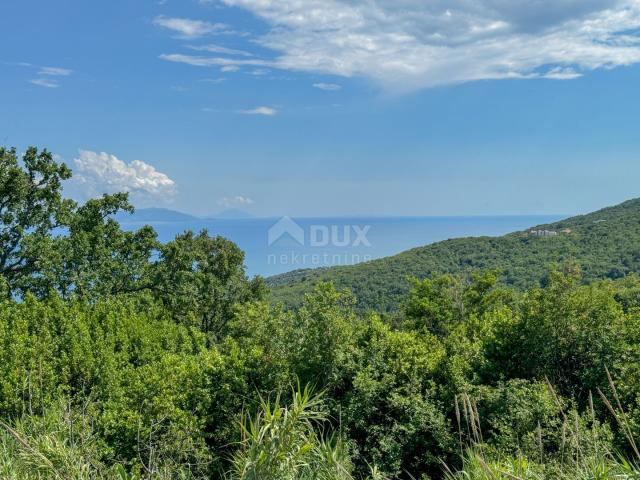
(44, 82)
(55, 71)
(98, 173)
(267, 111)
(230, 68)
(329, 87)
(187, 28)
(189, 59)
(237, 201)
(259, 72)
(211, 48)
(562, 74)
(214, 81)
(405, 45)
(230, 64)
(46, 75)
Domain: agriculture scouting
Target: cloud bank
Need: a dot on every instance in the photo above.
(237, 201)
(98, 173)
(405, 45)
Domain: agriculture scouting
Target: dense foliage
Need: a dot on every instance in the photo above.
(121, 358)
(605, 244)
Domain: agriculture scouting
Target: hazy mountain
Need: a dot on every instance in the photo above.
(233, 213)
(154, 215)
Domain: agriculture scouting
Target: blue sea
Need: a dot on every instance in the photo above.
(278, 245)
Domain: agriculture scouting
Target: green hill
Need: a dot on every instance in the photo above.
(605, 243)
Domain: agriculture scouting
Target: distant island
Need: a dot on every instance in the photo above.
(165, 215)
(232, 214)
(154, 215)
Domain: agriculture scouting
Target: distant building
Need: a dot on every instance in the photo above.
(543, 233)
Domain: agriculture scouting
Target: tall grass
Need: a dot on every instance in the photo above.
(290, 443)
(582, 454)
(286, 443)
(61, 444)
(279, 442)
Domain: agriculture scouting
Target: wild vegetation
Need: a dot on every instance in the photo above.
(605, 244)
(123, 358)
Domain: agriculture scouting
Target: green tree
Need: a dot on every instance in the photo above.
(566, 332)
(392, 411)
(201, 279)
(31, 208)
(438, 304)
(95, 257)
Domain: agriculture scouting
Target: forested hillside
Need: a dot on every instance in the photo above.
(122, 358)
(606, 244)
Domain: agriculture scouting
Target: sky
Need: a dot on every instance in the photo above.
(331, 107)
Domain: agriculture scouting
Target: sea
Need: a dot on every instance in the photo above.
(278, 245)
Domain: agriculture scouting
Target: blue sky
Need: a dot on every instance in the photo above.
(329, 107)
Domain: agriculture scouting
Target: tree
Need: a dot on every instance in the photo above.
(95, 257)
(49, 244)
(201, 279)
(31, 208)
(391, 410)
(565, 331)
(438, 304)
